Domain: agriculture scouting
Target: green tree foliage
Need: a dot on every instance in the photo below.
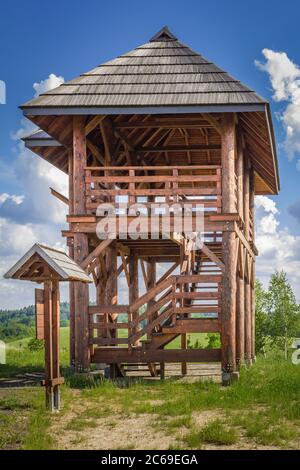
(213, 340)
(20, 323)
(261, 318)
(277, 314)
(283, 311)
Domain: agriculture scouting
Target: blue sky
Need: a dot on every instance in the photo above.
(66, 38)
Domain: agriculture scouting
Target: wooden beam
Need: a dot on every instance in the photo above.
(214, 123)
(240, 321)
(95, 151)
(163, 124)
(207, 251)
(228, 324)
(94, 122)
(96, 252)
(144, 272)
(108, 139)
(168, 272)
(117, 355)
(125, 269)
(71, 254)
(240, 176)
(151, 281)
(178, 148)
(194, 325)
(133, 288)
(59, 196)
(81, 294)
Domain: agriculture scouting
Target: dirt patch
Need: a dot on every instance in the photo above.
(116, 432)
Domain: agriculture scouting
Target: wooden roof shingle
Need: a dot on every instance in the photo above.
(59, 262)
(162, 72)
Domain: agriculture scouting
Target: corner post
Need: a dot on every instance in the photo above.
(71, 254)
(248, 322)
(240, 297)
(228, 316)
(81, 249)
(252, 281)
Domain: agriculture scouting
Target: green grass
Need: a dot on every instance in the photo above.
(263, 407)
(214, 432)
(19, 359)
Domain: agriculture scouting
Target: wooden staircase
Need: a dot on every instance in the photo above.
(175, 306)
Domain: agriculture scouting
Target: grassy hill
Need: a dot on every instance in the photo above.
(20, 323)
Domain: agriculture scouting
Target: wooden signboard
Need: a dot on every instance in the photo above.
(39, 313)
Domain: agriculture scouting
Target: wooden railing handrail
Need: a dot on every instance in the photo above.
(151, 293)
(152, 178)
(167, 306)
(153, 168)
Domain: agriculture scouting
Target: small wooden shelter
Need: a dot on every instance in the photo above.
(160, 121)
(50, 266)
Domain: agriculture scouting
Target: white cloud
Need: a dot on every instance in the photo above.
(285, 80)
(11, 197)
(49, 83)
(278, 248)
(266, 203)
(33, 216)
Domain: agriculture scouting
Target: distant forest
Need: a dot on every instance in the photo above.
(20, 323)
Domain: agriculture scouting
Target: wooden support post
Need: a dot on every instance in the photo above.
(162, 371)
(240, 176)
(252, 281)
(55, 341)
(134, 285)
(228, 316)
(183, 346)
(246, 199)
(48, 345)
(51, 334)
(71, 254)
(240, 297)
(248, 324)
(81, 251)
(253, 354)
(151, 279)
(111, 292)
(240, 321)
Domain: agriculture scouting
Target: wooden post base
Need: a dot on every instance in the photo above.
(228, 378)
(162, 371)
(53, 398)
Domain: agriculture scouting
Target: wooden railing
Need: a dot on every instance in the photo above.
(170, 300)
(194, 185)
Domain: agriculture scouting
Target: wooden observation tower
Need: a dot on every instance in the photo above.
(160, 123)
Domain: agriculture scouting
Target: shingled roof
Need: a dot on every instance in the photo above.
(162, 72)
(59, 262)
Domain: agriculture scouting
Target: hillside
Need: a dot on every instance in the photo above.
(20, 323)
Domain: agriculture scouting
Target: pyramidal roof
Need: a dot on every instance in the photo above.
(161, 73)
(64, 266)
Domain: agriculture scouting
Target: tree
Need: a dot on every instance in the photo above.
(262, 333)
(283, 311)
